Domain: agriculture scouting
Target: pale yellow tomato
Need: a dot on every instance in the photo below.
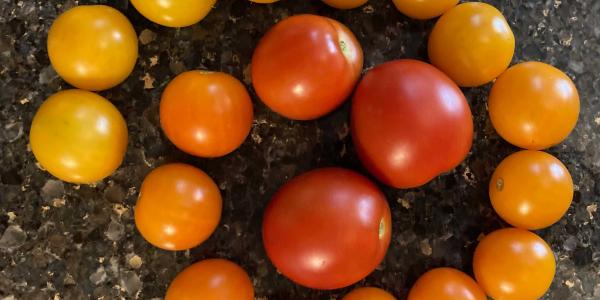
(174, 13)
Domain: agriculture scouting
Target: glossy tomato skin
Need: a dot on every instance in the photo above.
(92, 47)
(78, 136)
(368, 293)
(533, 105)
(472, 43)
(211, 279)
(514, 263)
(446, 284)
(531, 189)
(327, 228)
(345, 4)
(174, 13)
(179, 207)
(305, 66)
(410, 123)
(207, 114)
(424, 9)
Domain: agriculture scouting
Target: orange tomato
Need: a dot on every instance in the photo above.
(445, 284)
(207, 114)
(472, 43)
(368, 293)
(424, 9)
(345, 4)
(211, 279)
(179, 207)
(92, 47)
(514, 263)
(174, 13)
(533, 105)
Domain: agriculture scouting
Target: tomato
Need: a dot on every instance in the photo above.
(78, 136)
(533, 105)
(179, 207)
(424, 9)
(174, 13)
(368, 293)
(531, 189)
(409, 123)
(207, 114)
(305, 66)
(446, 284)
(211, 279)
(345, 4)
(92, 47)
(472, 43)
(513, 263)
(327, 228)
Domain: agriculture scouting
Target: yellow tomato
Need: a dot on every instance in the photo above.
(424, 9)
(78, 136)
(174, 13)
(472, 43)
(92, 47)
(368, 293)
(345, 4)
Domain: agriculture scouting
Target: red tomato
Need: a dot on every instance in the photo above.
(410, 123)
(306, 66)
(327, 228)
(446, 284)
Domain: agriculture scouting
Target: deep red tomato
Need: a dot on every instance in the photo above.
(306, 66)
(410, 123)
(327, 228)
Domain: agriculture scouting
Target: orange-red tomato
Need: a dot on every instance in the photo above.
(327, 228)
(207, 114)
(424, 9)
(211, 279)
(179, 207)
(345, 4)
(513, 264)
(534, 105)
(368, 293)
(174, 13)
(472, 43)
(305, 66)
(531, 189)
(446, 284)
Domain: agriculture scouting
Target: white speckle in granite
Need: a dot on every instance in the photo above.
(425, 247)
(148, 81)
(591, 209)
(134, 261)
(11, 216)
(570, 243)
(132, 283)
(405, 203)
(13, 131)
(115, 231)
(99, 276)
(52, 189)
(147, 36)
(12, 238)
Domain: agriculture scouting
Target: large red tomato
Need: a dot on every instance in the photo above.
(410, 123)
(327, 228)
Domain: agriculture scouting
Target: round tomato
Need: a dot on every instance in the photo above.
(472, 43)
(531, 189)
(174, 13)
(327, 228)
(207, 114)
(78, 136)
(92, 47)
(514, 264)
(345, 4)
(446, 284)
(306, 66)
(424, 9)
(534, 105)
(368, 293)
(179, 207)
(211, 279)
(410, 122)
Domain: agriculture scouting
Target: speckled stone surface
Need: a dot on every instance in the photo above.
(63, 241)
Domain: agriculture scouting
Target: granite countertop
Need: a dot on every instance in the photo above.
(65, 241)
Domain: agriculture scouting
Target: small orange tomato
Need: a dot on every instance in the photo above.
(513, 263)
(368, 293)
(211, 279)
(472, 43)
(207, 114)
(345, 4)
(445, 284)
(174, 13)
(533, 105)
(179, 207)
(424, 9)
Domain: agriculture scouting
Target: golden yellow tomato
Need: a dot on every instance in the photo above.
(92, 47)
(345, 4)
(424, 9)
(174, 13)
(78, 136)
(368, 293)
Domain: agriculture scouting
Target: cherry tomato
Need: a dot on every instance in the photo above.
(531, 189)
(78, 136)
(472, 43)
(424, 9)
(92, 47)
(211, 279)
(207, 114)
(174, 13)
(345, 4)
(327, 228)
(513, 263)
(534, 105)
(410, 123)
(368, 293)
(446, 284)
(179, 207)
(305, 66)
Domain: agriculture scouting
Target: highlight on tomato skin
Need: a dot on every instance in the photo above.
(446, 284)
(174, 13)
